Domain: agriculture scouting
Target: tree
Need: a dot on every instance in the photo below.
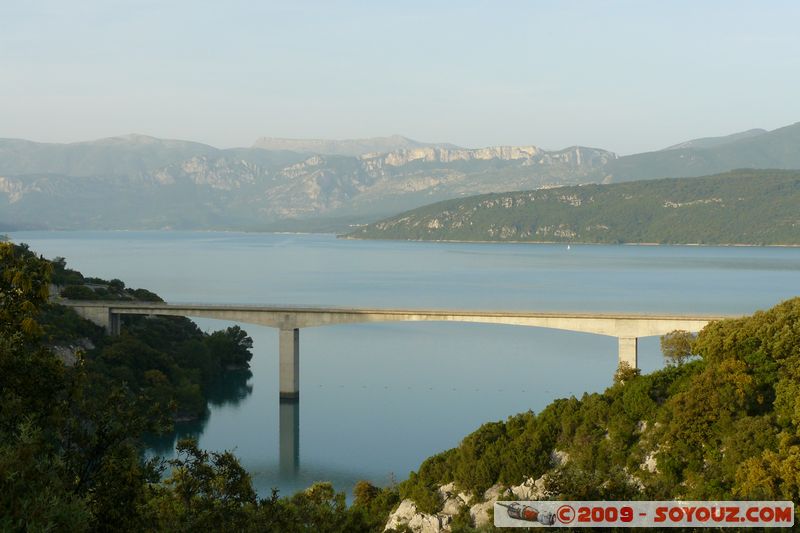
(677, 346)
(205, 492)
(625, 372)
(231, 347)
(69, 446)
(24, 288)
(34, 483)
(31, 378)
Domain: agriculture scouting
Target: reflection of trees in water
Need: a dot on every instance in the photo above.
(164, 445)
(229, 390)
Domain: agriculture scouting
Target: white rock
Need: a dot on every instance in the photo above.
(407, 514)
(445, 491)
(86, 343)
(452, 502)
(559, 458)
(452, 506)
(480, 511)
(67, 354)
(495, 492)
(650, 464)
(466, 498)
(531, 489)
(635, 481)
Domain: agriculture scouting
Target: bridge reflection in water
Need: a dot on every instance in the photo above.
(289, 435)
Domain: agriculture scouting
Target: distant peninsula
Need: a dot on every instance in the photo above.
(741, 207)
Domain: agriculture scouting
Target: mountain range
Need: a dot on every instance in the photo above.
(141, 182)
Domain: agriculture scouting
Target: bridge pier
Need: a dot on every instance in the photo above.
(629, 351)
(114, 323)
(289, 354)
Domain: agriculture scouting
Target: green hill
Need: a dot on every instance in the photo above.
(756, 207)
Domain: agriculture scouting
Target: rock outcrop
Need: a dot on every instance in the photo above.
(68, 354)
(531, 489)
(481, 512)
(408, 515)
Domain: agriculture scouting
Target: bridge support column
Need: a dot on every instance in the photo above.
(629, 351)
(289, 351)
(114, 321)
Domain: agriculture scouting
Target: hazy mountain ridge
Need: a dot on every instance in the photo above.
(741, 207)
(711, 142)
(182, 184)
(778, 148)
(138, 182)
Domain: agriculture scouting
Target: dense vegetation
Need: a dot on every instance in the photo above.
(722, 421)
(741, 207)
(167, 359)
(71, 434)
(724, 425)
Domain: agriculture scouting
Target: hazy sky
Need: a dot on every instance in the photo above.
(626, 76)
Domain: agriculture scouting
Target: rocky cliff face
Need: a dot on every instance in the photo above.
(526, 155)
(348, 147)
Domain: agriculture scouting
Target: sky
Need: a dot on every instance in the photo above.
(627, 76)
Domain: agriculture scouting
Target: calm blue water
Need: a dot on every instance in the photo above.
(377, 399)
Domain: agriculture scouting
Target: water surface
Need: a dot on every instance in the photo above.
(377, 399)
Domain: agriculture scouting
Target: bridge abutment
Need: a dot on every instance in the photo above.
(629, 351)
(289, 355)
(100, 315)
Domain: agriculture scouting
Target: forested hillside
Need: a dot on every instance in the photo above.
(741, 207)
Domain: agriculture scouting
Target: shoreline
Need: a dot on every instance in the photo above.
(388, 239)
(569, 243)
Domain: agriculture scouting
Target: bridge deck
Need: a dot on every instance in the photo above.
(136, 307)
(627, 327)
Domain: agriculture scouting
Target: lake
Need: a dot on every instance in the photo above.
(377, 399)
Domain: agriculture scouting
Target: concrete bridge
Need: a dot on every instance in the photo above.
(289, 320)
